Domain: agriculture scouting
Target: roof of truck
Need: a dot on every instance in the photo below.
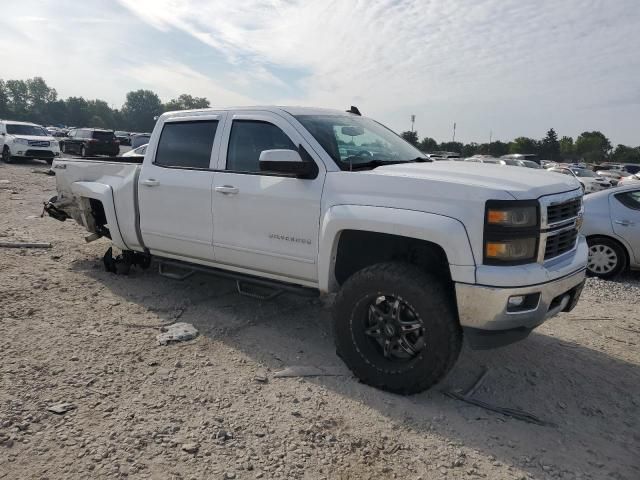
(293, 110)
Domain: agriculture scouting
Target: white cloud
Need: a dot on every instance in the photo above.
(496, 62)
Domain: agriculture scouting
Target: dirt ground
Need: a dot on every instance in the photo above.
(212, 408)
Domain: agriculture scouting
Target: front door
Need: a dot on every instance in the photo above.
(625, 216)
(265, 222)
(175, 187)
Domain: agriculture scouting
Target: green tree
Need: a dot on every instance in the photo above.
(567, 148)
(624, 154)
(4, 100)
(411, 137)
(186, 102)
(78, 114)
(428, 144)
(593, 146)
(524, 145)
(496, 148)
(39, 96)
(18, 99)
(451, 147)
(550, 146)
(470, 149)
(140, 109)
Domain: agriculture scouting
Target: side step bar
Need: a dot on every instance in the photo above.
(242, 280)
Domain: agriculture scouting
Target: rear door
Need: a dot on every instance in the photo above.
(625, 217)
(175, 187)
(265, 221)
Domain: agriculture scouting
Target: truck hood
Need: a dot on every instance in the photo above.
(521, 183)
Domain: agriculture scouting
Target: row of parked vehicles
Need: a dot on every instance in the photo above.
(29, 140)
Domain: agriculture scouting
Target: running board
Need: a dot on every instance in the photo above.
(242, 280)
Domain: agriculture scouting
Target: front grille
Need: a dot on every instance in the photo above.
(560, 243)
(563, 211)
(39, 153)
(38, 143)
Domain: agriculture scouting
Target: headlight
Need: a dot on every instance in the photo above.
(511, 232)
(513, 250)
(512, 216)
(21, 141)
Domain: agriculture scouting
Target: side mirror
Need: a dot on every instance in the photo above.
(287, 162)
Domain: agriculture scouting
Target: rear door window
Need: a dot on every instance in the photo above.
(630, 199)
(186, 144)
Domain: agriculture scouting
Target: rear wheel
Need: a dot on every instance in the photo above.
(6, 155)
(395, 327)
(82, 151)
(607, 257)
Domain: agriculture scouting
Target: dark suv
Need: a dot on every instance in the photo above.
(90, 141)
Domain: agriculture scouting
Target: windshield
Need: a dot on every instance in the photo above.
(352, 140)
(583, 172)
(34, 130)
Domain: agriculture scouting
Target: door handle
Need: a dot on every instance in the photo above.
(227, 189)
(150, 182)
(624, 223)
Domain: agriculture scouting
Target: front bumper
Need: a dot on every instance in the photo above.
(484, 312)
(35, 152)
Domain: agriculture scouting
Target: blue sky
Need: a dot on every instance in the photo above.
(511, 67)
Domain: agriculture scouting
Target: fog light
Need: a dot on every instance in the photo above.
(516, 300)
(20, 152)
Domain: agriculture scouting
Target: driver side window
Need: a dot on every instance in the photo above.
(248, 139)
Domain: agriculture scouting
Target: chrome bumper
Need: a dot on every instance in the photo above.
(485, 308)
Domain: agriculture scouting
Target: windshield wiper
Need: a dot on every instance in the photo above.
(380, 163)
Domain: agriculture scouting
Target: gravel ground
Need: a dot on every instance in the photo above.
(212, 408)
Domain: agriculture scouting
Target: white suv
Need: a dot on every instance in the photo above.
(26, 140)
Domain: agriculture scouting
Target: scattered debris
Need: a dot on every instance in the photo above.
(178, 332)
(61, 408)
(191, 447)
(25, 245)
(509, 412)
(310, 371)
(261, 378)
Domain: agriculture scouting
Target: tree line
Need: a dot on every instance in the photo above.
(34, 101)
(592, 147)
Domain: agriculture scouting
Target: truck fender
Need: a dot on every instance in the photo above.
(104, 194)
(447, 232)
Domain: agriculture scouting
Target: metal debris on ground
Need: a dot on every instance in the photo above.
(61, 408)
(509, 412)
(310, 371)
(178, 332)
(25, 245)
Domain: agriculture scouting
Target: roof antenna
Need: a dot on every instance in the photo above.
(354, 110)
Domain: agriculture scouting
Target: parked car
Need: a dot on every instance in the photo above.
(136, 152)
(548, 163)
(528, 164)
(26, 140)
(613, 176)
(417, 250)
(612, 228)
(139, 139)
(88, 142)
(522, 156)
(123, 137)
(629, 179)
(484, 159)
(589, 180)
(442, 155)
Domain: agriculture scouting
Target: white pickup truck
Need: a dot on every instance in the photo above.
(420, 253)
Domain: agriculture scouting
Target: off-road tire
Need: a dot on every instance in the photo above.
(612, 245)
(428, 297)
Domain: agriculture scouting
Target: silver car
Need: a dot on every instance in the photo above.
(612, 228)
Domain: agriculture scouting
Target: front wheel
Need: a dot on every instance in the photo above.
(606, 257)
(6, 155)
(395, 327)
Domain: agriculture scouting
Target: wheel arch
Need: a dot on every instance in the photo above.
(364, 235)
(625, 248)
